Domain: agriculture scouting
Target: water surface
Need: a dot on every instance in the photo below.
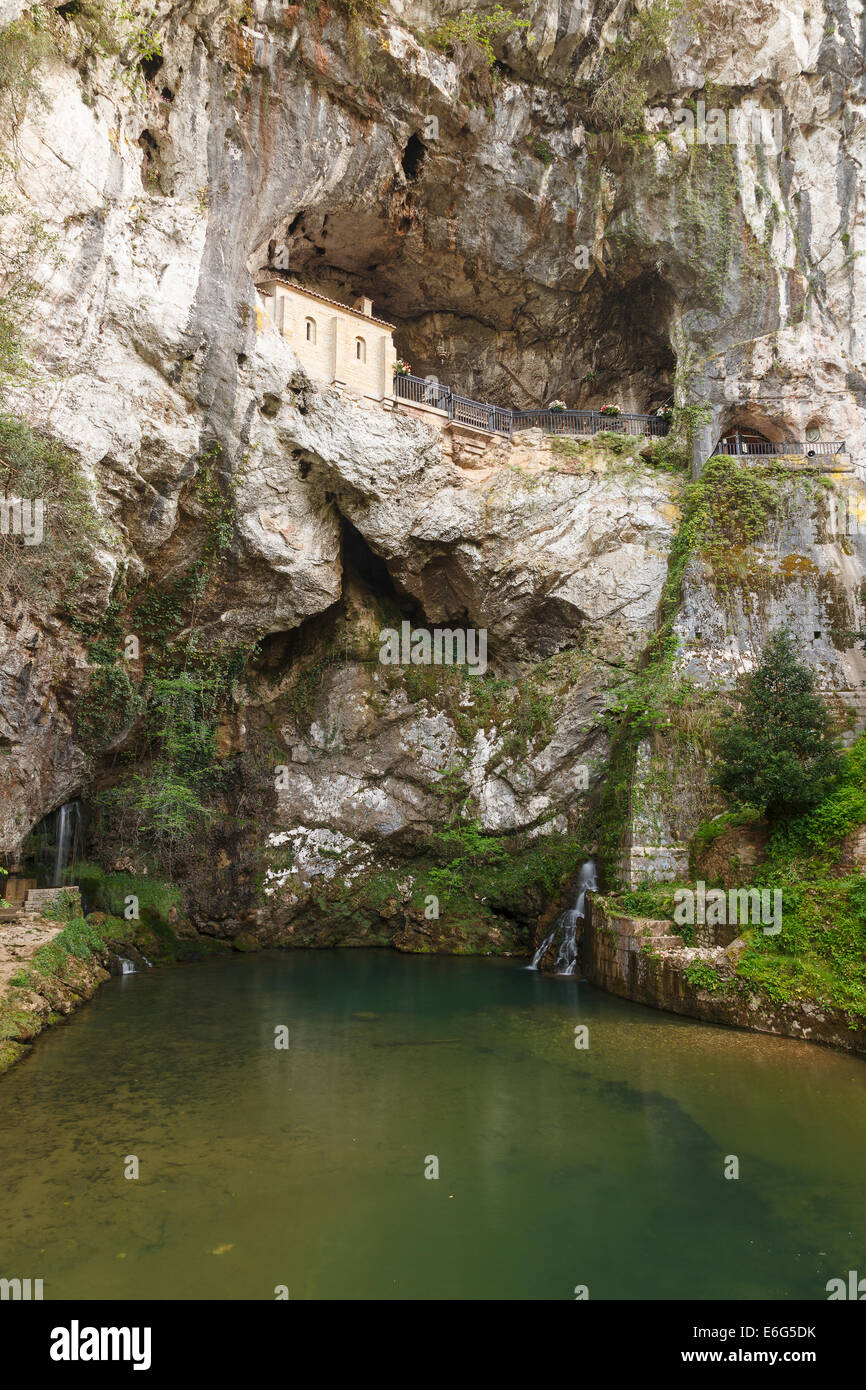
(305, 1168)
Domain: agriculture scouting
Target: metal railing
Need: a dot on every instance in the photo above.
(422, 392)
(811, 448)
(500, 420)
(572, 422)
(480, 416)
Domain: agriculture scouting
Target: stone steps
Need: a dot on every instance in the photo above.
(38, 899)
(654, 926)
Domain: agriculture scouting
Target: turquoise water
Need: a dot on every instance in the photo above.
(305, 1167)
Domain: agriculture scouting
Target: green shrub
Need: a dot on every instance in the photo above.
(78, 938)
(159, 808)
(704, 976)
(778, 754)
(24, 45)
(471, 34)
(820, 954)
(647, 900)
(62, 908)
(668, 455)
(840, 812)
(110, 704)
(621, 94)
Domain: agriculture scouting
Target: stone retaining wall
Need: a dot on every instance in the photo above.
(645, 961)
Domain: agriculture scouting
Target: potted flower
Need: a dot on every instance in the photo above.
(665, 412)
(610, 409)
(557, 405)
(402, 368)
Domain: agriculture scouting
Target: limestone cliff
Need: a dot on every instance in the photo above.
(530, 237)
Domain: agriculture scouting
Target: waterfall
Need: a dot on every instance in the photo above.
(565, 926)
(129, 967)
(66, 837)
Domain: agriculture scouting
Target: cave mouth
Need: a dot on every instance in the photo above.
(362, 563)
(413, 157)
(367, 585)
(590, 337)
(748, 433)
(54, 846)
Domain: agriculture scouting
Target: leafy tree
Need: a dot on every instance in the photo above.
(779, 753)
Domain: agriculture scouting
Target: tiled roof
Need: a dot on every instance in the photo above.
(271, 277)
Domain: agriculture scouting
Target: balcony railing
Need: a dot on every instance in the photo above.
(811, 448)
(500, 420)
(573, 422)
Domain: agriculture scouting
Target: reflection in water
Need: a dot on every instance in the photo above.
(305, 1166)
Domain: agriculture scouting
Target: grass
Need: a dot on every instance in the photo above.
(159, 902)
(33, 466)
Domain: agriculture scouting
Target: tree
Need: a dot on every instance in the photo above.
(779, 753)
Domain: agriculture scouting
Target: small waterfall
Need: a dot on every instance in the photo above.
(587, 882)
(133, 967)
(67, 836)
(565, 927)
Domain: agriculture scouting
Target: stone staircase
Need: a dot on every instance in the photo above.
(39, 898)
(656, 934)
(27, 901)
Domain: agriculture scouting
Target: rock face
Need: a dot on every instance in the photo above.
(527, 244)
(806, 571)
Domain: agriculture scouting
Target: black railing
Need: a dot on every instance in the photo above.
(421, 392)
(589, 422)
(814, 448)
(500, 420)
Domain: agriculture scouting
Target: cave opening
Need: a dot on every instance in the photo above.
(362, 562)
(600, 336)
(367, 585)
(413, 157)
(55, 845)
(744, 437)
(151, 65)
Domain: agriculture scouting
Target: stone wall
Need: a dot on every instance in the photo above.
(643, 960)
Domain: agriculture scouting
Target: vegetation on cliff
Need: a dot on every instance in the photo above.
(778, 752)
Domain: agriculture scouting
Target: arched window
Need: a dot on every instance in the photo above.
(311, 330)
(360, 350)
